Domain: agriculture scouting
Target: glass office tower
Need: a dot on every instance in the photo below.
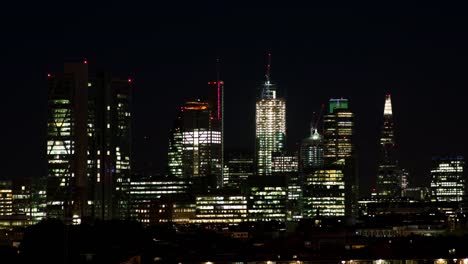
(195, 150)
(88, 145)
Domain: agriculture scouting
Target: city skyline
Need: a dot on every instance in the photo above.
(426, 119)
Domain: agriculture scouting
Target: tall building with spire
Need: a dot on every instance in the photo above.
(270, 124)
(388, 175)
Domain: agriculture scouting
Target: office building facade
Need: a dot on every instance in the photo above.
(238, 167)
(447, 179)
(339, 153)
(145, 194)
(220, 209)
(267, 198)
(324, 193)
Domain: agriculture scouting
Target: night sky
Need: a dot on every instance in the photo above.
(416, 53)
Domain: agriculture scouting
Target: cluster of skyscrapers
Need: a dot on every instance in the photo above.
(89, 162)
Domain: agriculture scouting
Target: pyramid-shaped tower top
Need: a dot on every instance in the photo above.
(388, 105)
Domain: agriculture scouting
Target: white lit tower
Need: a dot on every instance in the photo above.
(388, 175)
(270, 124)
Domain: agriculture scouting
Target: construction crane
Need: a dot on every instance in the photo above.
(314, 123)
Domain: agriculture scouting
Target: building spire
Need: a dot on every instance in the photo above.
(388, 105)
(268, 69)
(268, 91)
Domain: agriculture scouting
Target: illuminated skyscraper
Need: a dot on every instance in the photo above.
(338, 131)
(174, 154)
(215, 107)
(448, 181)
(339, 154)
(195, 145)
(109, 129)
(270, 125)
(389, 175)
(67, 143)
(88, 145)
(323, 193)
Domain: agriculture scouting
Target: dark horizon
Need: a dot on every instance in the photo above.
(417, 54)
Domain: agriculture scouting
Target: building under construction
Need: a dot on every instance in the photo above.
(270, 125)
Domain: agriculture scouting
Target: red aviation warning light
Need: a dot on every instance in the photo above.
(49, 75)
(219, 100)
(129, 80)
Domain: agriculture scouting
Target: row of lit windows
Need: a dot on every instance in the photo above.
(220, 198)
(221, 207)
(242, 213)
